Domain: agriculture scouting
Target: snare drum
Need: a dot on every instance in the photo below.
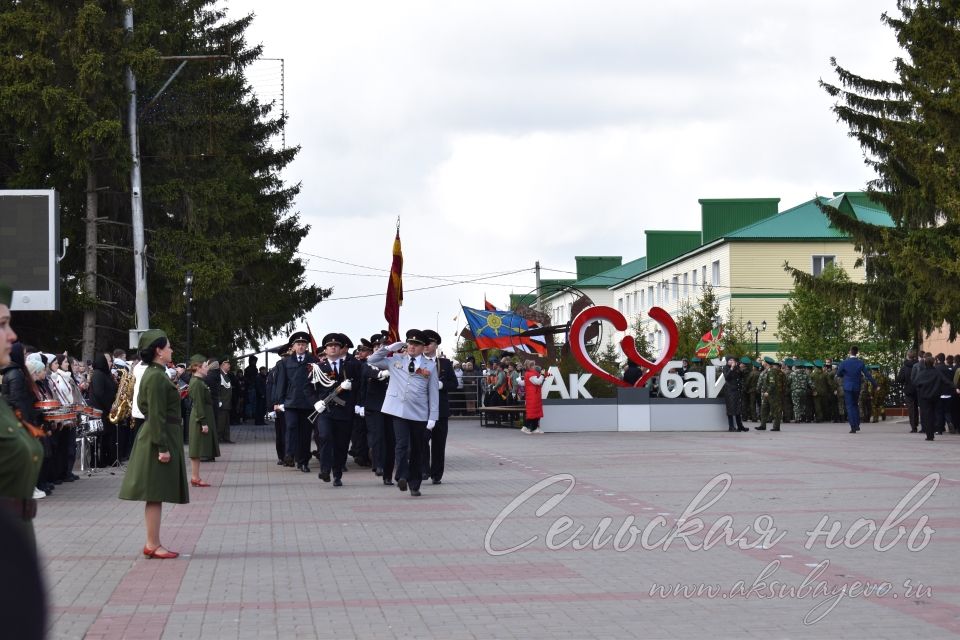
(45, 406)
(61, 415)
(90, 426)
(90, 412)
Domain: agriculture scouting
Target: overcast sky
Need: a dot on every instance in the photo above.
(502, 133)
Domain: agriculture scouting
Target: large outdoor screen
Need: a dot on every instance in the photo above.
(30, 239)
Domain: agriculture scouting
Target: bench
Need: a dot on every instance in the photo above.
(501, 416)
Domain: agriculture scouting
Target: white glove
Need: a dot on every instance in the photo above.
(281, 408)
(272, 415)
(320, 406)
(219, 404)
(396, 346)
(363, 412)
(383, 375)
(346, 385)
(356, 410)
(441, 384)
(431, 424)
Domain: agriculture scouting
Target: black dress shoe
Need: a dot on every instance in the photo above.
(853, 430)
(913, 430)
(775, 429)
(436, 481)
(760, 428)
(415, 492)
(730, 429)
(74, 476)
(743, 429)
(305, 468)
(378, 472)
(402, 484)
(279, 463)
(337, 482)
(388, 482)
(324, 475)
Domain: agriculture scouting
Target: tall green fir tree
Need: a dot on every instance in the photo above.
(908, 129)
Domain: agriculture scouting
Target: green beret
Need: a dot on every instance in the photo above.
(818, 363)
(746, 360)
(789, 362)
(6, 294)
(873, 366)
(695, 359)
(149, 337)
(197, 359)
(768, 360)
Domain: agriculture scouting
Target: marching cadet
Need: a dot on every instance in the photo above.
(437, 441)
(412, 399)
(335, 422)
(296, 397)
(379, 425)
(359, 437)
(279, 426)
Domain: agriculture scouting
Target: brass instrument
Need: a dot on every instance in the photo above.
(123, 403)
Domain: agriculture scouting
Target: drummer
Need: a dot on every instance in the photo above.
(44, 401)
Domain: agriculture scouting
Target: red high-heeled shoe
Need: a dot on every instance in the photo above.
(162, 555)
(198, 483)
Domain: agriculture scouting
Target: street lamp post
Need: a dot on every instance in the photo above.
(188, 292)
(756, 333)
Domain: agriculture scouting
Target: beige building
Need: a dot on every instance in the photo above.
(740, 251)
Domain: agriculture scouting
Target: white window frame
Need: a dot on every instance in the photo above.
(820, 262)
(715, 273)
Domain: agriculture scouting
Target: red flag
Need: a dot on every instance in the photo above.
(314, 349)
(488, 306)
(391, 311)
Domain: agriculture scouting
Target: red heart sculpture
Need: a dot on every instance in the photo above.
(629, 347)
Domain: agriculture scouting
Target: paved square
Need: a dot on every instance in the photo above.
(270, 552)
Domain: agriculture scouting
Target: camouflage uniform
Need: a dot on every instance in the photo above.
(786, 401)
(799, 386)
(750, 410)
(821, 392)
(880, 397)
(839, 410)
(773, 388)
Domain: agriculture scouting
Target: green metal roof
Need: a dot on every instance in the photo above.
(614, 276)
(807, 222)
(719, 216)
(592, 265)
(663, 246)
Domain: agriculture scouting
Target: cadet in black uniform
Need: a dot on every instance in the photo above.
(448, 381)
(335, 422)
(296, 397)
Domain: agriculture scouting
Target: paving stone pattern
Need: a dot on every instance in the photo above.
(269, 552)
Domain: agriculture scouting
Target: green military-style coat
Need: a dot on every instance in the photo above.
(202, 445)
(21, 456)
(147, 478)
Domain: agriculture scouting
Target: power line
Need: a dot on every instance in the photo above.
(437, 286)
(417, 275)
(616, 280)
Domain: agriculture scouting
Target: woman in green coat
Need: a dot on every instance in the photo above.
(156, 471)
(21, 454)
(203, 439)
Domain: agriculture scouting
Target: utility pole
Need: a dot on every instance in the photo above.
(136, 201)
(536, 270)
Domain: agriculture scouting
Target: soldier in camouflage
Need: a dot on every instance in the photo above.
(772, 388)
(800, 385)
(750, 408)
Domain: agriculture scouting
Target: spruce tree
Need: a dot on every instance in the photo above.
(909, 129)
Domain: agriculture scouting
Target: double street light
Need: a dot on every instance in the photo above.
(756, 333)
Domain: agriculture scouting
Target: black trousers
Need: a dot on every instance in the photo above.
(388, 446)
(360, 442)
(410, 435)
(298, 434)
(913, 412)
(928, 415)
(438, 447)
(280, 435)
(335, 438)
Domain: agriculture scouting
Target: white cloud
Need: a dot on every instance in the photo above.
(505, 132)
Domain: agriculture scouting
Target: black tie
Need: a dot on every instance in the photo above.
(413, 365)
(299, 358)
(336, 367)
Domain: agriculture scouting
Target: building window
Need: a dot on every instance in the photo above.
(820, 263)
(643, 301)
(694, 274)
(620, 305)
(703, 275)
(676, 288)
(716, 273)
(665, 296)
(686, 284)
(569, 311)
(650, 302)
(636, 302)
